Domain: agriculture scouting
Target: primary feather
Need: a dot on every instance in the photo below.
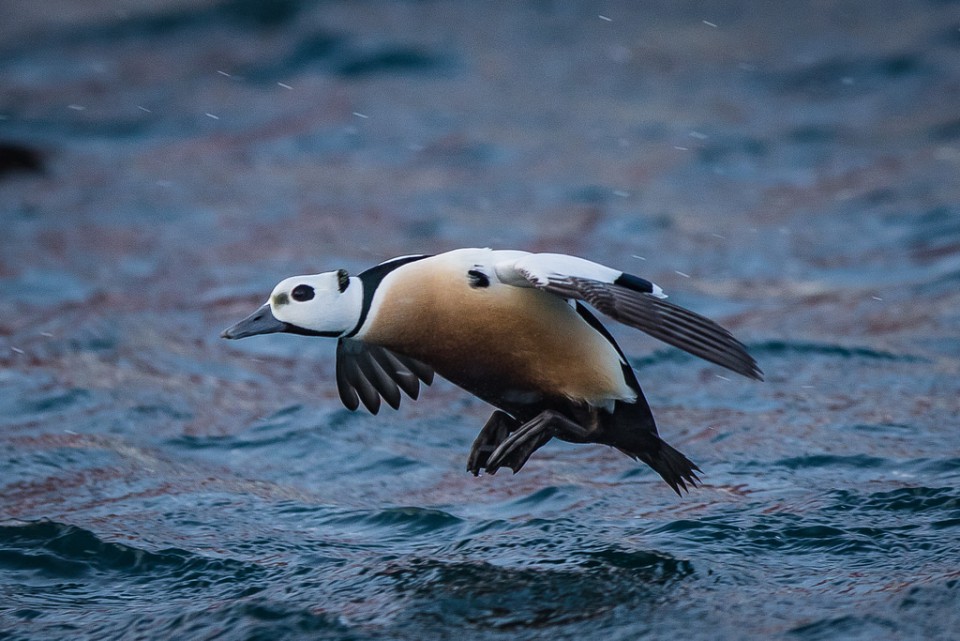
(633, 301)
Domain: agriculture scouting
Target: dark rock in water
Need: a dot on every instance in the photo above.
(19, 158)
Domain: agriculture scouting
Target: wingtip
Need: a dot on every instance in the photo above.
(755, 372)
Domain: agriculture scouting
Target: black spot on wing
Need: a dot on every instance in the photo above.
(366, 373)
(635, 283)
(665, 321)
(478, 278)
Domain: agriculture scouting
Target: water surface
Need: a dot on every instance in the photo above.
(790, 171)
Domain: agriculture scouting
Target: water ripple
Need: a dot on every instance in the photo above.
(59, 551)
(588, 586)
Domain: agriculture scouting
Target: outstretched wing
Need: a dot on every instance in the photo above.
(368, 373)
(633, 301)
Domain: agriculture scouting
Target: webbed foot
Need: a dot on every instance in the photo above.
(514, 450)
(492, 434)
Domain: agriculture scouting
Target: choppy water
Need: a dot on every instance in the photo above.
(792, 171)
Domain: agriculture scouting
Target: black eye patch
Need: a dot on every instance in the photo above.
(302, 293)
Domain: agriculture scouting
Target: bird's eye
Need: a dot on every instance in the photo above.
(302, 293)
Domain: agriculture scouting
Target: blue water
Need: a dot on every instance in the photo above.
(790, 171)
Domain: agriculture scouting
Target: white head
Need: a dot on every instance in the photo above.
(327, 304)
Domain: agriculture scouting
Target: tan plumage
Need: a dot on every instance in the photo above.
(493, 340)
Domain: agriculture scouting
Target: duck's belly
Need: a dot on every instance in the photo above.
(500, 342)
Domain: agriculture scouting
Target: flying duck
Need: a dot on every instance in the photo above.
(512, 328)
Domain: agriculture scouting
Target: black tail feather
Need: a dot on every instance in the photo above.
(631, 429)
(677, 470)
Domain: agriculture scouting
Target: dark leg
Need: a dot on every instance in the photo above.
(531, 436)
(492, 434)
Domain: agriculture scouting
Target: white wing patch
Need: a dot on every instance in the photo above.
(536, 270)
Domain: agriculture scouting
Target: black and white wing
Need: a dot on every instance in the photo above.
(368, 373)
(633, 301)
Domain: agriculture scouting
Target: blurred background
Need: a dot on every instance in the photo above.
(790, 169)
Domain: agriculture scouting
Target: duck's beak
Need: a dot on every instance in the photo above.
(261, 321)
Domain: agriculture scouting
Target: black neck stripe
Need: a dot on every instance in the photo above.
(371, 278)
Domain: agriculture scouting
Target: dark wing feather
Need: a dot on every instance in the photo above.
(670, 323)
(366, 373)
